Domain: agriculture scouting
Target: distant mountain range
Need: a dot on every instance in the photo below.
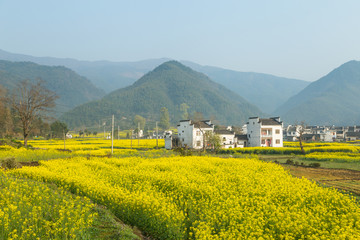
(266, 91)
(332, 100)
(168, 85)
(68, 85)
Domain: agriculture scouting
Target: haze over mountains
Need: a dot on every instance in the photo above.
(258, 88)
(169, 85)
(266, 91)
(71, 88)
(332, 100)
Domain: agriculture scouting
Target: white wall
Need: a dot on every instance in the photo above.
(253, 132)
(227, 141)
(263, 136)
(190, 135)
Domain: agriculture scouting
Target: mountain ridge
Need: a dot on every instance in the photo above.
(331, 100)
(169, 85)
(258, 88)
(71, 88)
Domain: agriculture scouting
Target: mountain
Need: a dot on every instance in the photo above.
(106, 75)
(71, 88)
(169, 85)
(258, 88)
(266, 91)
(332, 100)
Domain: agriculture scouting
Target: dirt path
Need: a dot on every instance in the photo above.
(343, 179)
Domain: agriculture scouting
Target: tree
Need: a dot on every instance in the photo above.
(139, 119)
(58, 129)
(184, 111)
(8, 122)
(87, 132)
(213, 141)
(2, 110)
(198, 116)
(300, 129)
(164, 118)
(31, 101)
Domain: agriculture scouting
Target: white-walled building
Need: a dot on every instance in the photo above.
(227, 138)
(191, 134)
(265, 132)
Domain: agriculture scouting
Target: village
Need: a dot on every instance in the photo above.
(257, 132)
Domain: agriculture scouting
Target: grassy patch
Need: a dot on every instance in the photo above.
(109, 227)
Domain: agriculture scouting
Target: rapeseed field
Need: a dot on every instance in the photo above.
(206, 197)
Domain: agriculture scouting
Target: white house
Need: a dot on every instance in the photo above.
(293, 132)
(241, 140)
(265, 132)
(227, 138)
(191, 133)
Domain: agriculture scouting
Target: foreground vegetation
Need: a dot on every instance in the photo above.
(32, 210)
(167, 196)
(206, 197)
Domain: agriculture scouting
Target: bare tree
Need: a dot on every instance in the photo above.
(300, 129)
(31, 101)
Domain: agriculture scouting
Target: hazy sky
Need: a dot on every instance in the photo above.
(299, 39)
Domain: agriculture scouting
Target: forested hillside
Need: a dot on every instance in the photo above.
(332, 100)
(71, 88)
(170, 85)
(266, 91)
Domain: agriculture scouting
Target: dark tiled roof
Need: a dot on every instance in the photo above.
(224, 132)
(353, 134)
(269, 121)
(241, 137)
(202, 124)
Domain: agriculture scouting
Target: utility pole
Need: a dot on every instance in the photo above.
(131, 138)
(104, 129)
(64, 139)
(138, 134)
(112, 135)
(157, 134)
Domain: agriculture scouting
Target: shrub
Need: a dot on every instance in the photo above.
(315, 165)
(10, 163)
(290, 162)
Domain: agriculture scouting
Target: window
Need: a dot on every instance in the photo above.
(263, 141)
(277, 131)
(183, 140)
(182, 130)
(198, 143)
(198, 133)
(277, 141)
(224, 138)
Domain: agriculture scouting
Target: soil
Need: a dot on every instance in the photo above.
(29, 164)
(342, 179)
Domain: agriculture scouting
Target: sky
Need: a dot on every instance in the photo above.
(300, 39)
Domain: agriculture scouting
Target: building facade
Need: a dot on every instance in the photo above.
(265, 132)
(191, 134)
